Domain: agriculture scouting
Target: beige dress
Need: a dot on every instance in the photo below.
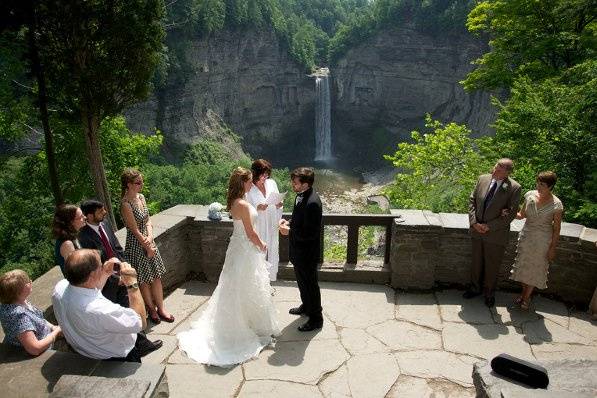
(531, 265)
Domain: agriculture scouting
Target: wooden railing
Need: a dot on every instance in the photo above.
(353, 222)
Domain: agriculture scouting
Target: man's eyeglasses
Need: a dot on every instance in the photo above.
(138, 183)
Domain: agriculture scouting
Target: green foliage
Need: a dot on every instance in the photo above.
(26, 205)
(16, 109)
(333, 252)
(201, 179)
(438, 170)
(551, 125)
(100, 56)
(433, 17)
(537, 39)
(303, 26)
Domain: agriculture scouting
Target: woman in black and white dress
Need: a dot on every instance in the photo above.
(141, 251)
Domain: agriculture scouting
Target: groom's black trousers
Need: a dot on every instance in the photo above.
(306, 278)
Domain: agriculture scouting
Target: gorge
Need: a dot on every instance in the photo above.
(380, 90)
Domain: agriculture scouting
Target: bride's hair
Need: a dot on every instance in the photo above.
(236, 188)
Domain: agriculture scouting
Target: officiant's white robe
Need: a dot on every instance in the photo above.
(267, 223)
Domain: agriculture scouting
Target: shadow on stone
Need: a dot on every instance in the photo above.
(294, 356)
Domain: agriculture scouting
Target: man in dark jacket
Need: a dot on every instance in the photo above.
(98, 234)
(304, 230)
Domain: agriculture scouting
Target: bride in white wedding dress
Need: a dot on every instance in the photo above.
(239, 320)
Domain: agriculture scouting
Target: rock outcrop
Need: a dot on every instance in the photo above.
(381, 90)
(249, 79)
(387, 84)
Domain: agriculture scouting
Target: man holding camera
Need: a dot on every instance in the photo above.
(93, 325)
(97, 234)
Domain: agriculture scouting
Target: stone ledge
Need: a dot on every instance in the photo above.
(40, 374)
(567, 378)
(99, 387)
(380, 276)
(588, 238)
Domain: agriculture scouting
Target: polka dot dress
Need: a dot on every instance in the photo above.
(148, 269)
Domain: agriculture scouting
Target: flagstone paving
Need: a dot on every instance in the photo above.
(375, 343)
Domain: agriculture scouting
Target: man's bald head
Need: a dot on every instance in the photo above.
(502, 168)
(80, 264)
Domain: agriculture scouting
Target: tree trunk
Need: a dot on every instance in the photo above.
(42, 104)
(96, 164)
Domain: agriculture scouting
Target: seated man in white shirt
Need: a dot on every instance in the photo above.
(93, 325)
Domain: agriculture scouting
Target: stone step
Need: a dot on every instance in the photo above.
(333, 272)
(24, 376)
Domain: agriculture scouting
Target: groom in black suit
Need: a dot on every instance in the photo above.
(97, 234)
(304, 230)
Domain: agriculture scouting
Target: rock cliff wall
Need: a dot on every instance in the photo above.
(381, 90)
(387, 84)
(250, 81)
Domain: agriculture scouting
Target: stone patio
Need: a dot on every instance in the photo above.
(375, 343)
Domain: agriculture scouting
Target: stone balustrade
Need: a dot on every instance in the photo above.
(427, 250)
(430, 249)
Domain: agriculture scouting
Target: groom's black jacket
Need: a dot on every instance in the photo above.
(305, 228)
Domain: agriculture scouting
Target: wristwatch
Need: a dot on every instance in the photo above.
(133, 285)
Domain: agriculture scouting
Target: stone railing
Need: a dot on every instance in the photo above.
(426, 250)
(430, 249)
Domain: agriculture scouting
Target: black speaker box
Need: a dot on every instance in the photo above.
(519, 370)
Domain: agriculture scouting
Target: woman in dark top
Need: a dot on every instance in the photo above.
(23, 324)
(68, 220)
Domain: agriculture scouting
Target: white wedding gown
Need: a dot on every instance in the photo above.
(240, 318)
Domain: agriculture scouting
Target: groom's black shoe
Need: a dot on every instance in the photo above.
(469, 294)
(310, 325)
(490, 301)
(297, 310)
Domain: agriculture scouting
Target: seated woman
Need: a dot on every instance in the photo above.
(68, 220)
(23, 324)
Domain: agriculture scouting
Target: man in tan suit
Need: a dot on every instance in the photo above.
(493, 205)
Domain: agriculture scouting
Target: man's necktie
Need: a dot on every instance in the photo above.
(106, 243)
(489, 196)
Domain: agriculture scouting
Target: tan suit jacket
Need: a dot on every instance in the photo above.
(507, 196)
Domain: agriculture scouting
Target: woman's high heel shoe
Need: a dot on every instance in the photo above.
(154, 317)
(168, 319)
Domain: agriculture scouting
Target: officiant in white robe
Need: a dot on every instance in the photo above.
(265, 197)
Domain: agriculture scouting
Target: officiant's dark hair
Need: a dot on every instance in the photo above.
(304, 175)
(259, 167)
(236, 189)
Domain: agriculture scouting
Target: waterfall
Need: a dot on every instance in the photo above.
(323, 131)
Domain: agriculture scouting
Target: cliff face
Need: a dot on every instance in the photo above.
(384, 87)
(250, 81)
(381, 90)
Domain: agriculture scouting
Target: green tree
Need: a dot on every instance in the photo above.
(552, 125)
(26, 205)
(101, 57)
(537, 39)
(438, 170)
(22, 25)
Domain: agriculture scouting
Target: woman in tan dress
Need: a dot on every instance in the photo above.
(539, 237)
